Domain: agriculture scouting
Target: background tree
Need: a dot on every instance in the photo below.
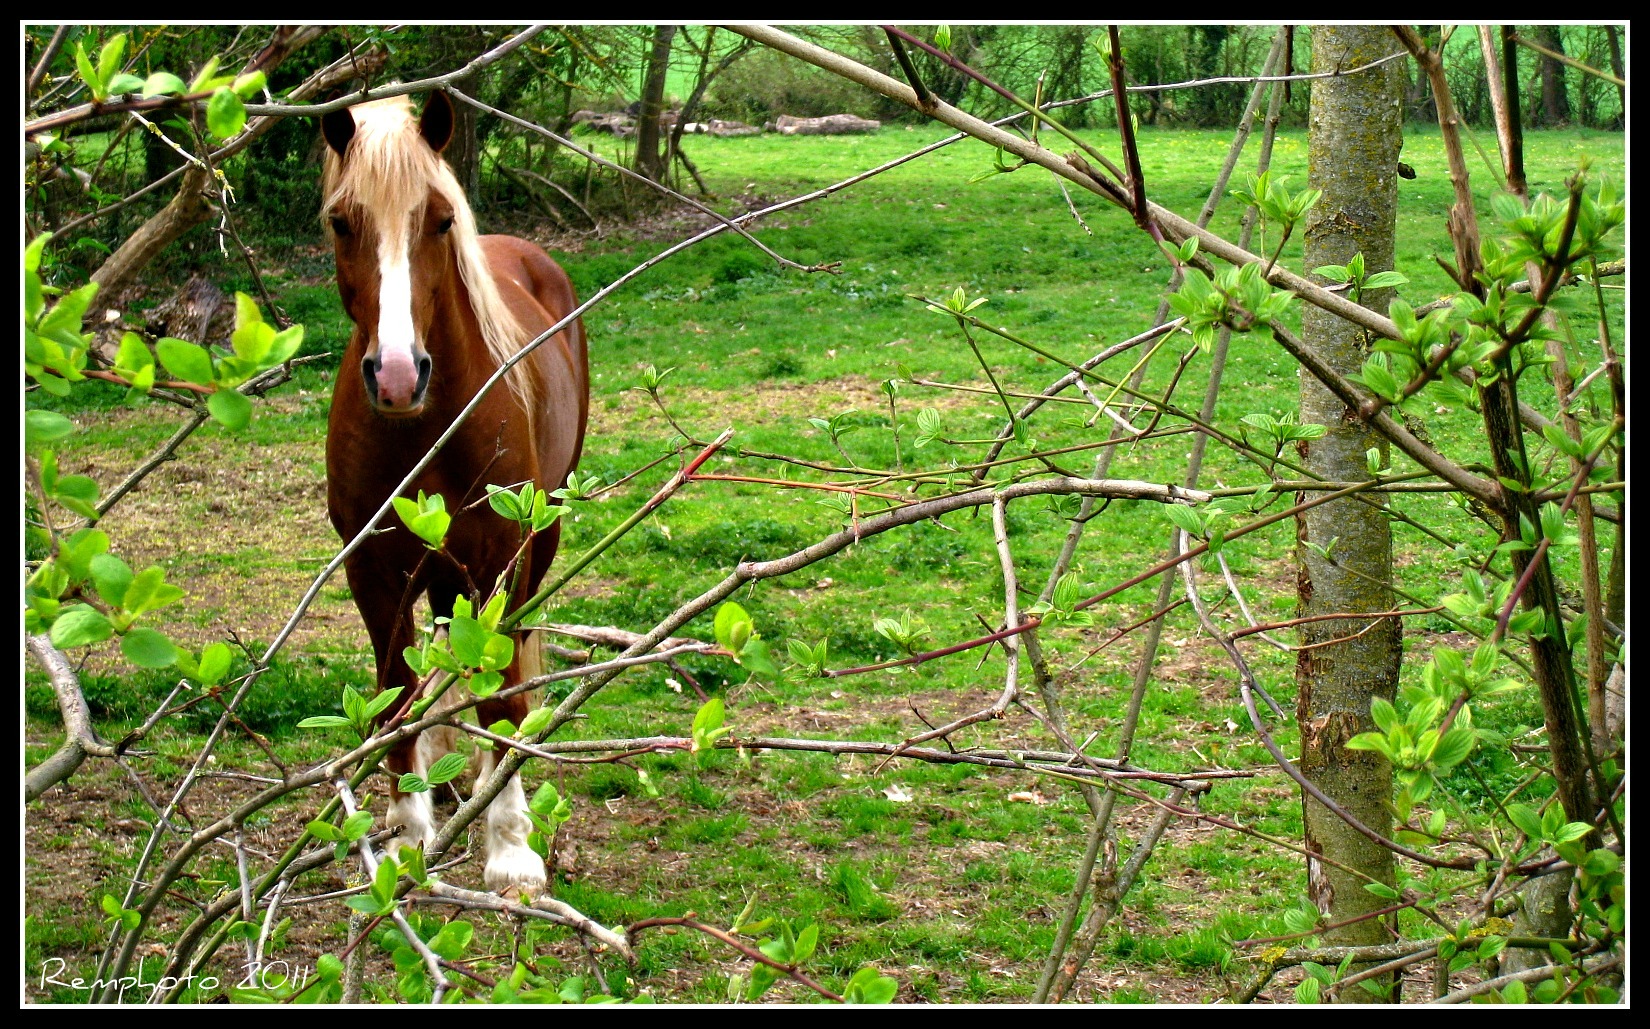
(650, 160)
(1555, 91)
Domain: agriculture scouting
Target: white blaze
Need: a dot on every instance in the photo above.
(398, 374)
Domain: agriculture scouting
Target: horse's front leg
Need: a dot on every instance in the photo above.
(389, 624)
(512, 866)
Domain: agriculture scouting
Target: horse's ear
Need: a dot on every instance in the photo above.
(338, 128)
(436, 126)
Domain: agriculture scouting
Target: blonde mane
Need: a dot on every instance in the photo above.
(390, 172)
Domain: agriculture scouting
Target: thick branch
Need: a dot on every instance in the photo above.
(79, 738)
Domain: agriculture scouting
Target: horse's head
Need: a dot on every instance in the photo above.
(397, 218)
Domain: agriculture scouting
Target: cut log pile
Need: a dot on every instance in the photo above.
(620, 123)
(829, 125)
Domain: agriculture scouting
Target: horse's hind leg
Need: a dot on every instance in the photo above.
(512, 866)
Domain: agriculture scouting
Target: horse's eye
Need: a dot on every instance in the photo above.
(340, 225)
(442, 229)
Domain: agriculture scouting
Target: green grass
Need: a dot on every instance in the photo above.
(950, 889)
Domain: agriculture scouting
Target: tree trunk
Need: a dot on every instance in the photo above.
(1418, 102)
(188, 209)
(190, 206)
(1356, 132)
(649, 161)
(463, 151)
(1616, 65)
(1204, 43)
(1555, 93)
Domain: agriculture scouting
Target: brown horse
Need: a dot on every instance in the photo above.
(437, 310)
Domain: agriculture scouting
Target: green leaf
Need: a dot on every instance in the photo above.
(209, 69)
(185, 361)
(453, 939)
(78, 493)
(133, 355)
(1309, 991)
(1382, 280)
(537, 721)
(497, 652)
(125, 83)
(1380, 379)
(148, 648)
(1184, 519)
(42, 427)
(1570, 832)
(356, 825)
(225, 114)
(324, 831)
(383, 884)
(88, 74)
(248, 84)
(149, 591)
(1526, 819)
(1453, 749)
(485, 684)
(355, 706)
(214, 664)
(79, 626)
(365, 905)
(112, 577)
(324, 722)
(410, 783)
(450, 767)
(381, 702)
(412, 859)
(427, 518)
(733, 627)
(710, 716)
(756, 657)
(806, 941)
(1371, 741)
(467, 638)
(1384, 714)
(504, 502)
(108, 59)
(868, 987)
(162, 83)
(231, 408)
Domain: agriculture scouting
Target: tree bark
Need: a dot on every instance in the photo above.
(1418, 103)
(463, 152)
(649, 161)
(188, 209)
(1555, 93)
(190, 206)
(1356, 133)
(1616, 65)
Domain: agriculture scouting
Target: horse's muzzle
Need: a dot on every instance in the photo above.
(396, 387)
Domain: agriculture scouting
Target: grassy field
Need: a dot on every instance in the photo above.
(932, 873)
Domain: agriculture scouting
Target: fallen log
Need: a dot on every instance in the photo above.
(829, 125)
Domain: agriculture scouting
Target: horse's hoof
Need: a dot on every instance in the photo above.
(514, 871)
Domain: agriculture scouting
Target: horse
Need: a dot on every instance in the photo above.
(437, 309)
